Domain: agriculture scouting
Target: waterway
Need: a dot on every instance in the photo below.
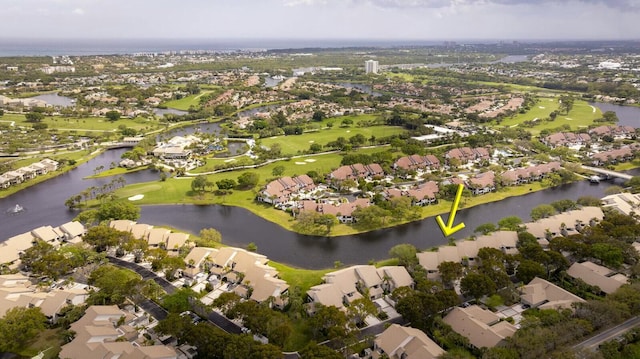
(172, 111)
(56, 100)
(627, 115)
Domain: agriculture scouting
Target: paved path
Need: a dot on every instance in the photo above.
(593, 342)
(213, 317)
(608, 172)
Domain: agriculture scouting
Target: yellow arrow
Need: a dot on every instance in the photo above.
(448, 229)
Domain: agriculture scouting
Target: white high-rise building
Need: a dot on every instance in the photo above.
(371, 67)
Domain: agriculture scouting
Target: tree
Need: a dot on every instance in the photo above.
(112, 115)
(528, 269)
(115, 285)
(198, 183)
(327, 220)
(226, 184)
(118, 210)
(248, 180)
(102, 237)
(564, 205)
(179, 301)
(315, 351)
(328, 323)
(511, 223)
(589, 201)
(19, 326)
(450, 272)
(477, 285)
(318, 116)
(406, 254)
(485, 228)
(277, 171)
(542, 211)
(210, 237)
(34, 117)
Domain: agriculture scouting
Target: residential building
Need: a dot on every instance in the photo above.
(542, 294)
(283, 189)
(564, 224)
(598, 276)
(625, 203)
(482, 327)
(616, 132)
(371, 67)
(465, 154)
(528, 174)
(614, 156)
(566, 139)
(100, 334)
(417, 162)
(398, 342)
(482, 183)
(342, 211)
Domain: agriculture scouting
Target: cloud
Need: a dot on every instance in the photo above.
(621, 4)
(304, 2)
(78, 11)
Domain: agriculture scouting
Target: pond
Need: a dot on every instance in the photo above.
(56, 100)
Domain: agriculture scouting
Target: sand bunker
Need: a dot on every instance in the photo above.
(136, 197)
(301, 163)
(309, 160)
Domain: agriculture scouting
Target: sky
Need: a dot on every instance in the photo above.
(322, 19)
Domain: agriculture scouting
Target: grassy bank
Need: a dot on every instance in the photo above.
(79, 156)
(116, 172)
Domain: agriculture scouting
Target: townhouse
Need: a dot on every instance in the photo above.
(342, 287)
(417, 162)
(564, 224)
(622, 154)
(598, 276)
(342, 211)
(354, 172)
(466, 154)
(542, 294)
(518, 176)
(398, 342)
(283, 189)
(421, 195)
(616, 132)
(566, 139)
(482, 327)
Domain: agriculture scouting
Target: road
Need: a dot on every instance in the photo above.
(213, 317)
(593, 342)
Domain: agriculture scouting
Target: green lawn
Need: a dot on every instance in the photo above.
(187, 101)
(49, 342)
(88, 123)
(581, 116)
(295, 144)
(297, 277)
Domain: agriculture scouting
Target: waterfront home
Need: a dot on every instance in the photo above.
(283, 189)
(423, 194)
(122, 225)
(398, 342)
(518, 176)
(73, 231)
(482, 183)
(598, 276)
(542, 294)
(100, 333)
(5, 181)
(483, 328)
(12, 248)
(176, 240)
(566, 139)
(14, 177)
(625, 203)
(466, 251)
(49, 164)
(614, 156)
(198, 260)
(140, 230)
(158, 237)
(342, 211)
(564, 224)
(48, 234)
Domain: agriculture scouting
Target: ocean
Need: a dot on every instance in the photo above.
(84, 47)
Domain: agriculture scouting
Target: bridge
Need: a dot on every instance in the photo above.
(608, 172)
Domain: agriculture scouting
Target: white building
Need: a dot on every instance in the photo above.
(371, 67)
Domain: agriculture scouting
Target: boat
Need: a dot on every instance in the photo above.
(594, 179)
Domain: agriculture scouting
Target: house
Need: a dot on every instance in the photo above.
(282, 189)
(342, 211)
(122, 225)
(598, 276)
(482, 183)
(542, 294)
(12, 248)
(73, 230)
(394, 277)
(417, 162)
(625, 203)
(197, 260)
(566, 139)
(98, 335)
(354, 172)
(423, 194)
(465, 155)
(564, 224)
(49, 164)
(48, 234)
(523, 175)
(614, 156)
(616, 132)
(483, 328)
(398, 342)
(158, 237)
(176, 240)
(140, 230)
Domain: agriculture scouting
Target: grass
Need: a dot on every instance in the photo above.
(295, 144)
(580, 116)
(297, 277)
(90, 124)
(186, 102)
(625, 166)
(117, 171)
(49, 342)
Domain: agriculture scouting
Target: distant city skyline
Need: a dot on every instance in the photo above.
(323, 19)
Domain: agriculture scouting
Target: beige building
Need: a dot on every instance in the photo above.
(596, 275)
(405, 343)
(483, 328)
(542, 294)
